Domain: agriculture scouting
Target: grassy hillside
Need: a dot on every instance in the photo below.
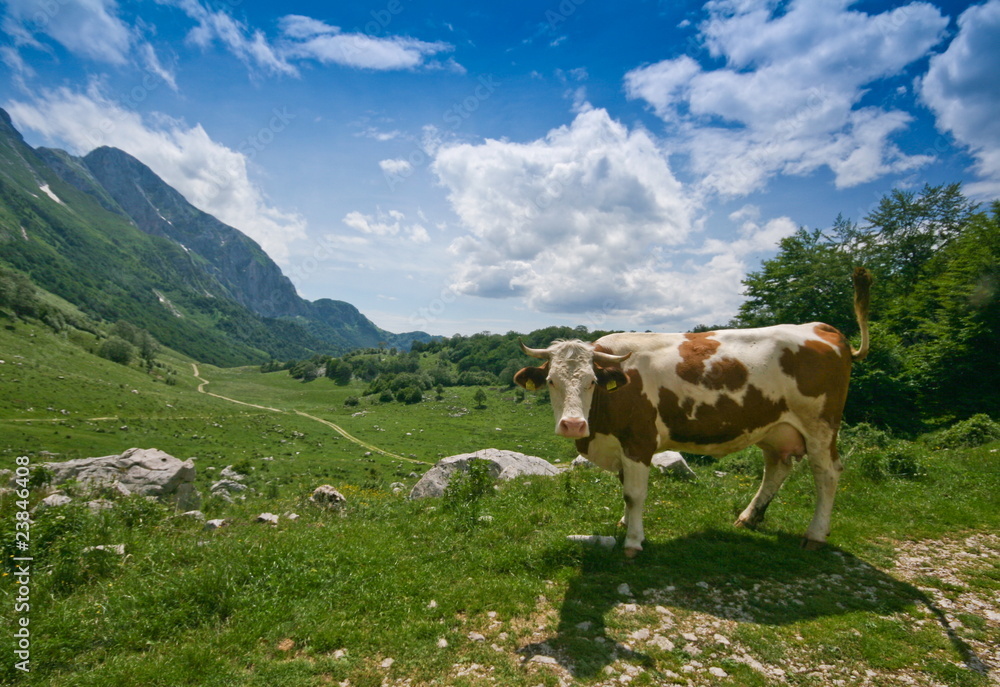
(481, 587)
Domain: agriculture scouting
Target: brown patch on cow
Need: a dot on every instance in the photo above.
(821, 370)
(626, 415)
(694, 351)
(724, 373)
(721, 422)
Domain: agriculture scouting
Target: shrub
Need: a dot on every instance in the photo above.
(409, 395)
(863, 436)
(352, 401)
(977, 430)
(898, 459)
(746, 462)
(465, 491)
(117, 350)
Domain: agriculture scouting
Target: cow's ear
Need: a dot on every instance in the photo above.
(532, 378)
(611, 378)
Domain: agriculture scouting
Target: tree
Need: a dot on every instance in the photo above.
(906, 230)
(339, 372)
(409, 395)
(480, 398)
(808, 281)
(117, 349)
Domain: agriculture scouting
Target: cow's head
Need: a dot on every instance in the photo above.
(572, 371)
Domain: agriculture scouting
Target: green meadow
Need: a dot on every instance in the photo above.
(480, 587)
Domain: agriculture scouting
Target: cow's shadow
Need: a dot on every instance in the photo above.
(734, 575)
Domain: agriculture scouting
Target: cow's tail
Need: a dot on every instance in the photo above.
(862, 300)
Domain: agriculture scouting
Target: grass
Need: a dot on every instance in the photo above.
(331, 597)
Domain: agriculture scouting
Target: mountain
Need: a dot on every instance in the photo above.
(107, 234)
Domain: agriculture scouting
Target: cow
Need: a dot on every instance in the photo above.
(627, 396)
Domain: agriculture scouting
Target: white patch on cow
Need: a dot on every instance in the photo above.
(605, 451)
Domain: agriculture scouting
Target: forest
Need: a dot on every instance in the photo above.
(935, 317)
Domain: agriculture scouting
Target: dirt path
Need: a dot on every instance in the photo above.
(337, 428)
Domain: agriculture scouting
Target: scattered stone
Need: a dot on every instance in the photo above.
(718, 672)
(193, 514)
(229, 473)
(543, 660)
(503, 465)
(640, 635)
(268, 518)
(593, 540)
(52, 501)
(228, 485)
(581, 462)
(339, 654)
(662, 643)
(442, 643)
(97, 505)
(109, 548)
(585, 625)
(432, 604)
(476, 637)
(146, 472)
(672, 463)
(387, 663)
(624, 589)
(325, 496)
(216, 524)
(291, 516)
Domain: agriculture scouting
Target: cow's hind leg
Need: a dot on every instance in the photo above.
(776, 469)
(635, 482)
(826, 468)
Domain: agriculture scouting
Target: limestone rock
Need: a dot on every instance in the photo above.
(325, 496)
(503, 465)
(141, 471)
(672, 463)
(52, 501)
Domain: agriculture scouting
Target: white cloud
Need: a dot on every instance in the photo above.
(588, 220)
(209, 175)
(304, 38)
(787, 99)
(250, 46)
(313, 39)
(87, 28)
(396, 167)
(961, 89)
(387, 225)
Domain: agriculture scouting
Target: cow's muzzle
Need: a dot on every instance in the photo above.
(572, 428)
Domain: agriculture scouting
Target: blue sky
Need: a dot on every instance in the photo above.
(458, 168)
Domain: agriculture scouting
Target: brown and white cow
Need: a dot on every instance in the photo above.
(628, 396)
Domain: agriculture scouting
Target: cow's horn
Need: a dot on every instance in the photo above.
(542, 353)
(606, 359)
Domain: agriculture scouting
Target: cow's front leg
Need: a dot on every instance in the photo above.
(635, 482)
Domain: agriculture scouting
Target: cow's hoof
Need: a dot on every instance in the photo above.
(812, 544)
(622, 523)
(631, 551)
(744, 524)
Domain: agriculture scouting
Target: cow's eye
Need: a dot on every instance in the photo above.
(550, 382)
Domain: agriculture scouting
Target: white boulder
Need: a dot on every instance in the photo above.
(503, 465)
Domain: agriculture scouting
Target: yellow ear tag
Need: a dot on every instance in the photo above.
(612, 385)
(529, 385)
